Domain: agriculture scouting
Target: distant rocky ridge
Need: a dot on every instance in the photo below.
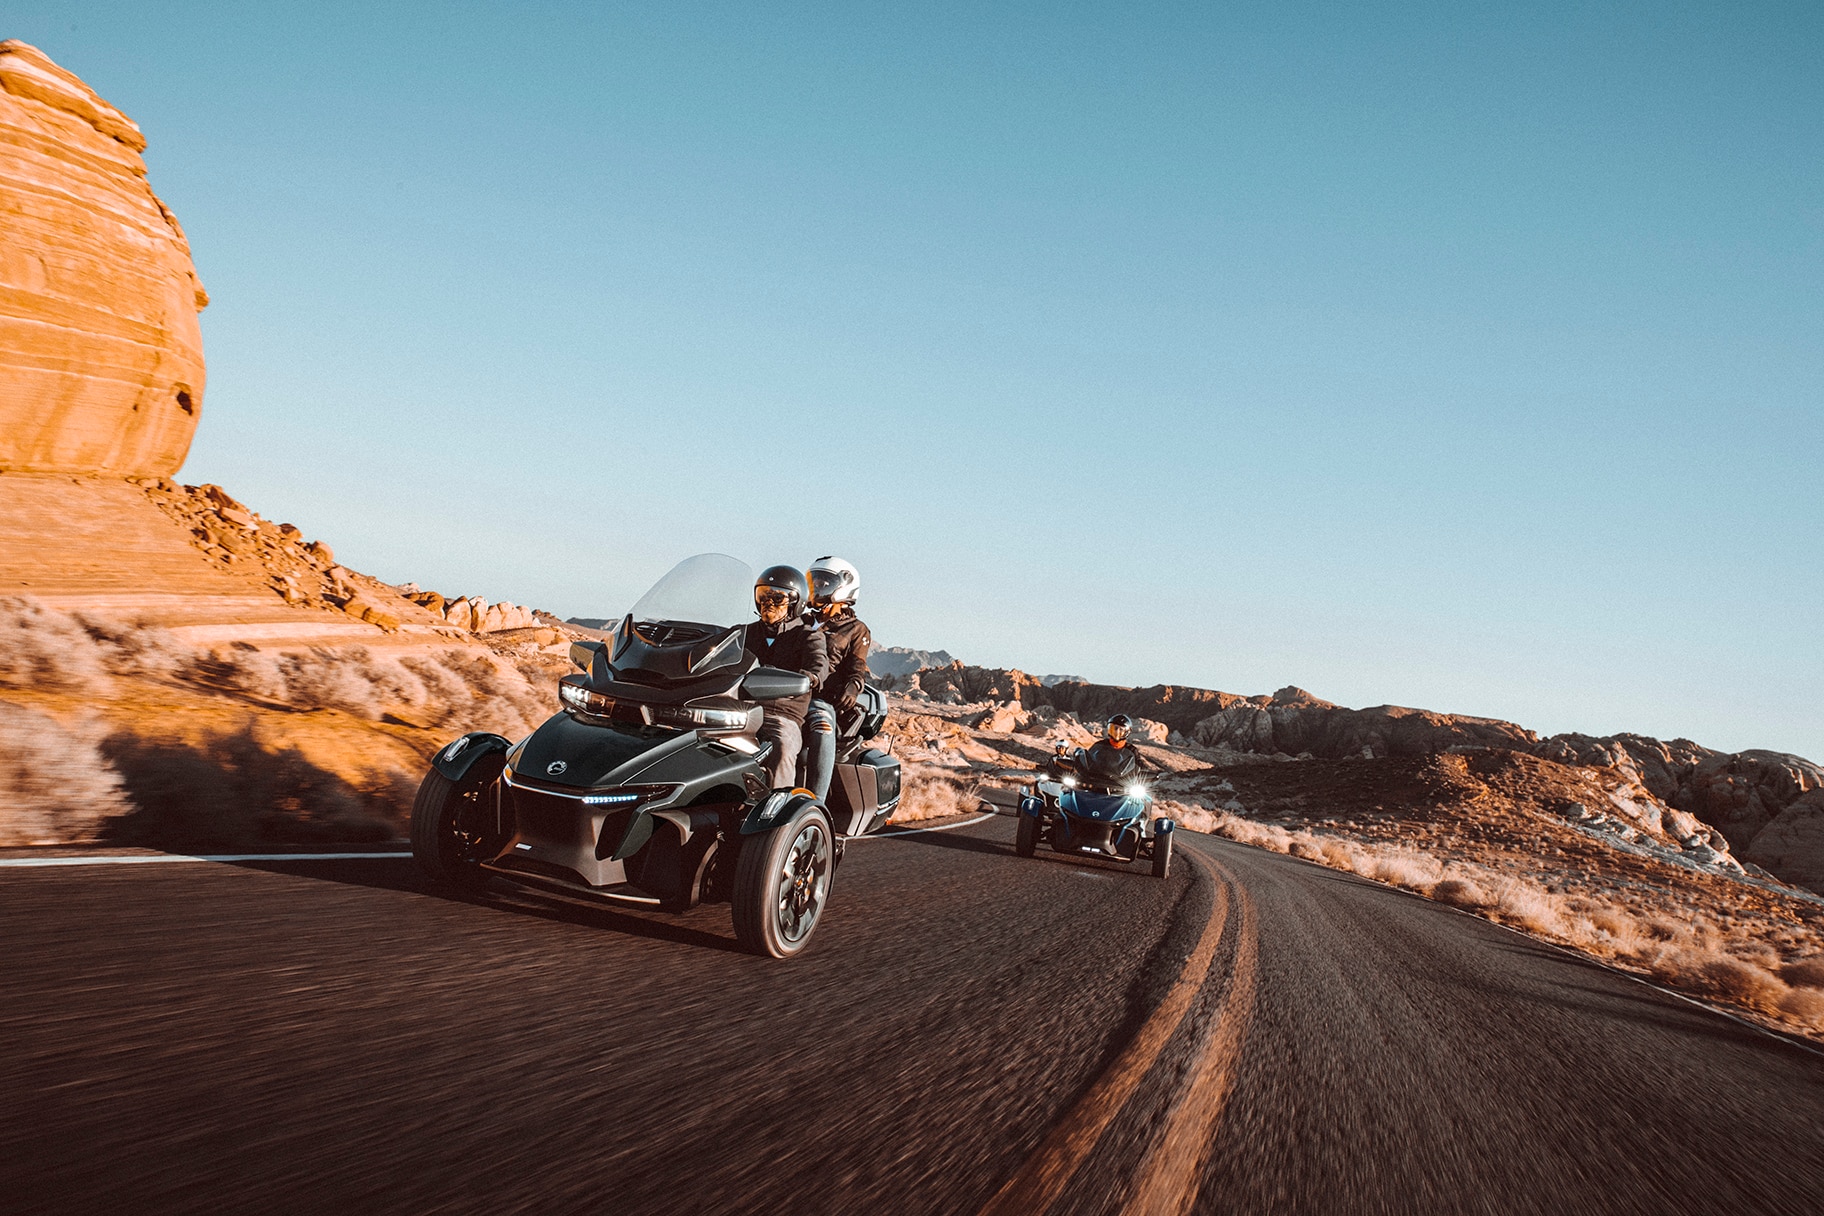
(899, 662)
(1767, 806)
(101, 357)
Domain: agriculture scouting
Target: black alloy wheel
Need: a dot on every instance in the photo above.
(449, 841)
(1026, 835)
(1162, 854)
(782, 883)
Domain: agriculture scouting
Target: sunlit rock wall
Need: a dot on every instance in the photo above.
(101, 358)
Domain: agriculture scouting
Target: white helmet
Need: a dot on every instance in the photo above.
(833, 581)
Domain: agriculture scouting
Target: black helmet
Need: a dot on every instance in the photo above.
(782, 580)
(1120, 722)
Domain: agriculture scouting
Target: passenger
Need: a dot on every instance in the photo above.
(834, 584)
(1111, 759)
(786, 638)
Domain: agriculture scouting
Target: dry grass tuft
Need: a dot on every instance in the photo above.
(1804, 1005)
(1461, 893)
(1805, 973)
(62, 785)
(932, 796)
(55, 785)
(1722, 976)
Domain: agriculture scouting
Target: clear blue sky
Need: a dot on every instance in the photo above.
(1460, 355)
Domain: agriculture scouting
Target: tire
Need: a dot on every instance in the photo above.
(1026, 835)
(446, 854)
(1162, 854)
(782, 883)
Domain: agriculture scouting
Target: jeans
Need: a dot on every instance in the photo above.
(787, 738)
(820, 759)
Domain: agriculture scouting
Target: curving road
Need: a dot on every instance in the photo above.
(970, 1033)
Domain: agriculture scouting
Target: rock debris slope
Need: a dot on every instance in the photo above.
(101, 357)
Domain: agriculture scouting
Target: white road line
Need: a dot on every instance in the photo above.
(171, 858)
(948, 827)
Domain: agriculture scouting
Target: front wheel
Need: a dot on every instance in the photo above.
(1162, 854)
(1026, 835)
(449, 839)
(782, 882)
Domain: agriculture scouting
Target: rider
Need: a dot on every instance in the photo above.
(784, 637)
(834, 584)
(1111, 758)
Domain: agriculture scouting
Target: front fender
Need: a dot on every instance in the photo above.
(777, 808)
(455, 760)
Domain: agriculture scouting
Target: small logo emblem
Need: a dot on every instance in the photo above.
(556, 768)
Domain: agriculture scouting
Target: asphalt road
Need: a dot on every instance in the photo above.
(971, 1032)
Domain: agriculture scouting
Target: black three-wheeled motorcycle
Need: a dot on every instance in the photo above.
(647, 787)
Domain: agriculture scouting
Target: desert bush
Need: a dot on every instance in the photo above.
(55, 785)
(1805, 973)
(40, 648)
(1804, 1005)
(1403, 869)
(233, 792)
(454, 688)
(931, 796)
(1723, 976)
(1460, 893)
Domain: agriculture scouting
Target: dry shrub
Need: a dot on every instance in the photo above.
(1186, 815)
(40, 648)
(1529, 905)
(931, 796)
(1804, 1005)
(1805, 973)
(1403, 869)
(1246, 831)
(455, 688)
(1460, 893)
(458, 688)
(232, 792)
(1722, 976)
(55, 786)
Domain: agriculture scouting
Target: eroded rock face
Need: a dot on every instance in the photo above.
(101, 358)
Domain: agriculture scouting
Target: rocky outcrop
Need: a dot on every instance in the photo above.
(101, 358)
(895, 662)
(1295, 723)
(1741, 794)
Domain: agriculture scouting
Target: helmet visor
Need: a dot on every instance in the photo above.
(771, 597)
(1117, 730)
(824, 584)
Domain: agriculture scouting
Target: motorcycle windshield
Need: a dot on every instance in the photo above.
(708, 589)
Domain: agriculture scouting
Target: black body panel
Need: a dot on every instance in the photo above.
(588, 753)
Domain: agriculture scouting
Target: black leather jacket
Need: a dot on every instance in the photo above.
(795, 644)
(1110, 763)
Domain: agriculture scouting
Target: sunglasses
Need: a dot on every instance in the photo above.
(767, 597)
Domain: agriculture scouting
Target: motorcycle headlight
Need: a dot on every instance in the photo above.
(1070, 783)
(574, 694)
(1136, 790)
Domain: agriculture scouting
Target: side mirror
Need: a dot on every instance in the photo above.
(583, 653)
(773, 684)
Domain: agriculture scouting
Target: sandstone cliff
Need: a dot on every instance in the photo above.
(101, 358)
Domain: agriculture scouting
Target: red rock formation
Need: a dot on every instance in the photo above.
(101, 358)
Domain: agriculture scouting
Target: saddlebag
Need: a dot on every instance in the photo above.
(864, 792)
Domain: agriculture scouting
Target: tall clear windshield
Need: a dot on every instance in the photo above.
(708, 589)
